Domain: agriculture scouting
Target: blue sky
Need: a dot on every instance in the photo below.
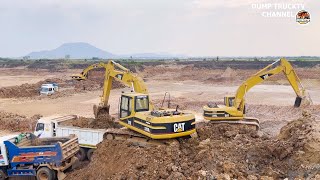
(191, 27)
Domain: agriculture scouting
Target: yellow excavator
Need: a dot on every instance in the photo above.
(136, 112)
(233, 111)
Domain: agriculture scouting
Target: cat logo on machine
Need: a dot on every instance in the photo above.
(178, 127)
(266, 76)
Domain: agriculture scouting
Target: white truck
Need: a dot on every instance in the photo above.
(88, 138)
(49, 89)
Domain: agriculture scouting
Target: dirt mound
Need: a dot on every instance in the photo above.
(24, 90)
(66, 87)
(219, 152)
(17, 123)
(102, 122)
(27, 90)
(229, 73)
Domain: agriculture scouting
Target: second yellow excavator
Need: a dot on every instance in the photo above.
(233, 111)
(136, 112)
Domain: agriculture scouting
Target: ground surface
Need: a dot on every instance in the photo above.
(190, 87)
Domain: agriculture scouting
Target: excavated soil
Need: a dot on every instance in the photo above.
(102, 122)
(17, 123)
(219, 152)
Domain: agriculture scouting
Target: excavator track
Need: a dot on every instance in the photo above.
(249, 121)
(125, 134)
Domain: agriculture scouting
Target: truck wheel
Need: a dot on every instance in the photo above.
(2, 175)
(90, 153)
(45, 173)
(82, 154)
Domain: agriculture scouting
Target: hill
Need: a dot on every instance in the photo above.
(79, 50)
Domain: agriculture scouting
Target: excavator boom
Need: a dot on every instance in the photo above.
(113, 71)
(281, 65)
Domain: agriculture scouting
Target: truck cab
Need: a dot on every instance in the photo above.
(46, 126)
(48, 89)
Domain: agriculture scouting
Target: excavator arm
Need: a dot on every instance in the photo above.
(114, 71)
(277, 67)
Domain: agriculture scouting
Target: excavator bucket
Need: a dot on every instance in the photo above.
(297, 102)
(303, 101)
(100, 110)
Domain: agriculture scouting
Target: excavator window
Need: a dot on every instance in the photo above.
(125, 109)
(231, 101)
(142, 103)
(228, 101)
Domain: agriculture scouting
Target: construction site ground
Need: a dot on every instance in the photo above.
(220, 151)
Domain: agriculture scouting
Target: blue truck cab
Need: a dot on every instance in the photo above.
(46, 158)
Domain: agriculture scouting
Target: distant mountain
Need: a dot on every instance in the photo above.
(79, 50)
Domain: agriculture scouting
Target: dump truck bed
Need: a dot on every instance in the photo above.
(87, 137)
(46, 150)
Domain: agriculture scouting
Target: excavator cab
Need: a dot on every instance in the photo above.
(133, 102)
(229, 100)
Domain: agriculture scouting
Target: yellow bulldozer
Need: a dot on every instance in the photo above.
(233, 111)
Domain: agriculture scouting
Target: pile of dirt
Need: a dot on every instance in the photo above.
(229, 73)
(28, 90)
(102, 122)
(66, 87)
(272, 117)
(219, 152)
(227, 76)
(24, 90)
(17, 123)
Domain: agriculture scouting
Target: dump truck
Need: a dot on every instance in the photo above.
(52, 126)
(27, 155)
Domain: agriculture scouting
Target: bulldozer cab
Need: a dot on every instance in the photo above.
(133, 102)
(229, 101)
